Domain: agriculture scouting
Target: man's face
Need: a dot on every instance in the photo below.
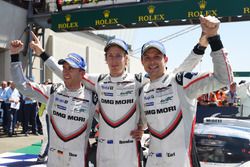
(72, 76)
(13, 85)
(4, 84)
(154, 63)
(117, 60)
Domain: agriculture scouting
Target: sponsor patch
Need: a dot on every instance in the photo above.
(170, 154)
(59, 152)
(61, 100)
(148, 104)
(159, 155)
(125, 101)
(126, 93)
(160, 110)
(125, 86)
(110, 142)
(107, 94)
(61, 107)
(79, 110)
(101, 140)
(164, 91)
(107, 87)
(166, 99)
(72, 155)
(179, 78)
(149, 97)
(125, 141)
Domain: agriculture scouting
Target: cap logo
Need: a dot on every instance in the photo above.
(75, 58)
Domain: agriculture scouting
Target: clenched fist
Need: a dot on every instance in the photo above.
(209, 25)
(16, 46)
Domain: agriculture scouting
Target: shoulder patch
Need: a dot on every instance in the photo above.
(138, 77)
(189, 75)
(179, 78)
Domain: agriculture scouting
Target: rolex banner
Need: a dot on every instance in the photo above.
(146, 14)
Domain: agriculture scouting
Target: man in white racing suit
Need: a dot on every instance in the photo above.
(243, 92)
(119, 114)
(169, 100)
(70, 107)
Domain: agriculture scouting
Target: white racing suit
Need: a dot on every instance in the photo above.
(119, 114)
(70, 114)
(243, 92)
(169, 108)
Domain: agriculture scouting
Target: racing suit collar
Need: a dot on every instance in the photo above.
(75, 91)
(121, 78)
(163, 77)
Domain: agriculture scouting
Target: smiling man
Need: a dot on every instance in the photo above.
(69, 105)
(119, 115)
(169, 100)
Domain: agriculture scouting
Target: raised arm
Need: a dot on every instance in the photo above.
(89, 80)
(196, 84)
(26, 87)
(49, 61)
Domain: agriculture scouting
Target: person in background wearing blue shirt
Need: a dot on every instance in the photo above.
(3, 114)
(11, 98)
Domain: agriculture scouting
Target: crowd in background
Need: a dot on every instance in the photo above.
(18, 111)
(223, 97)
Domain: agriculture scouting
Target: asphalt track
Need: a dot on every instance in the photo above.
(19, 150)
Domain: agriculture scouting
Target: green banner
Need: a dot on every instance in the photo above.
(150, 14)
(241, 73)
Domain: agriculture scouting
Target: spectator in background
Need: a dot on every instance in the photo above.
(3, 86)
(30, 109)
(243, 92)
(30, 113)
(2, 105)
(12, 104)
(231, 95)
(19, 121)
(203, 100)
(221, 97)
(9, 83)
(213, 99)
(216, 98)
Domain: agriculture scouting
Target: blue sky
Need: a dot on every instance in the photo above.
(235, 37)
